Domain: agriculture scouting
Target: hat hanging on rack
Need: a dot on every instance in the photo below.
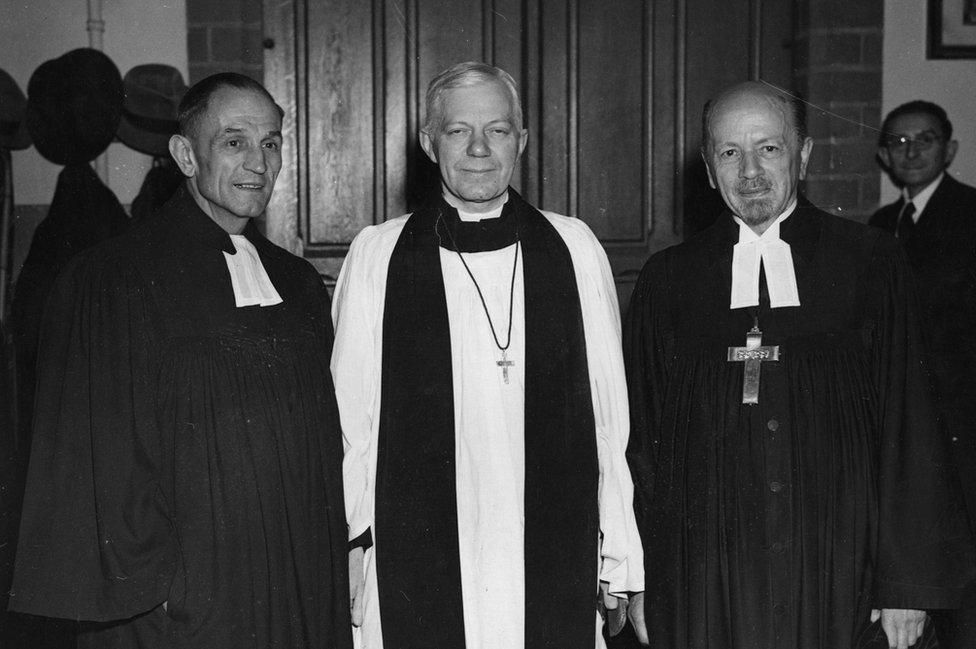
(13, 103)
(152, 97)
(74, 104)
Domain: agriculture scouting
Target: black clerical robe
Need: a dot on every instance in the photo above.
(186, 450)
(781, 525)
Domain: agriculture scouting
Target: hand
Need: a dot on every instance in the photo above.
(636, 614)
(614, 609)
(903, 626)
(357, 585)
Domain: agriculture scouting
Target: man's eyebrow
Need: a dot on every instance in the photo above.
(917, 133)
(273, 134)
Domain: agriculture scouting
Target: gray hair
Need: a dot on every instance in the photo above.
(469, 73)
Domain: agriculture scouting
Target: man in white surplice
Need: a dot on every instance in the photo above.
(481, 233)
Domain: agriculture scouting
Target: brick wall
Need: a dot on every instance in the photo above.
(838, 69)
(224, 36)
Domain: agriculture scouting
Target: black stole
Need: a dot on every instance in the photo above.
(416, 536)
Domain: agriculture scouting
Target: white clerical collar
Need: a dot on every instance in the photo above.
(250, 280)
(922, 198)
(477, 216)
(775, 257)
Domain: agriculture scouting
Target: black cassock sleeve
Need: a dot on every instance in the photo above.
(925, 554)
(96, 540)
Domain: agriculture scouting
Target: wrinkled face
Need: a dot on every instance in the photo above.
(753, 157)
(916, 151)
(476, 145)
(235, 156)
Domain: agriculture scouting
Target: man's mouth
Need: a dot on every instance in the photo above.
(249, 186)
(754, 191)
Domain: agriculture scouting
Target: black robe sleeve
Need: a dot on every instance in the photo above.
(96, 541)
(644, 343)
(925, 556)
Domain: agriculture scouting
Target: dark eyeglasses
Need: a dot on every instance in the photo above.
(922, 142)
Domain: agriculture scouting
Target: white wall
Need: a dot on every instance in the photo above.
(136, 32)
(909, 75)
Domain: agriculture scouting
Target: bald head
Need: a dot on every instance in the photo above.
(756, 151)
(793, 109)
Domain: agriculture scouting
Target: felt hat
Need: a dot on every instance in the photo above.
(152, 97)
(13, 132)
(74, 103)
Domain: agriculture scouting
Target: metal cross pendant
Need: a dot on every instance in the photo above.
(505, 364)
(752, 355)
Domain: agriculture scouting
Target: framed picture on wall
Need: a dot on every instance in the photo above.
(952, 29)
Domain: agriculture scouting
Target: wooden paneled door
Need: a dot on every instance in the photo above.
(612, 93)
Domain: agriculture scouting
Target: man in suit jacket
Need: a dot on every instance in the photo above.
(935, 219)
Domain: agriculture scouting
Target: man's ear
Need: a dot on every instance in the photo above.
(884, 155)
(951, 147)
(427, 144)
(182, 152)
(805, 150)
(708, 170)
(523, 140)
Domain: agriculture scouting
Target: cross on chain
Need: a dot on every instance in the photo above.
(505, 364)
(752, 355)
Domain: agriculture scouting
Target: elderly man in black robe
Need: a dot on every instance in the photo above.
(185, 487)
(791, 482)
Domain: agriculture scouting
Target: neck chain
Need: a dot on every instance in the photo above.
(504, 363)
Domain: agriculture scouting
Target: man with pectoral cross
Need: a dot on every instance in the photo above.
(481, 388)
(810, 508)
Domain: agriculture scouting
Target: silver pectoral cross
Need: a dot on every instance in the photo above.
(752, 355)
(504, 363)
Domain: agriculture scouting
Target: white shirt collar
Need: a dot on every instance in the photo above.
(475, 216)
(767, 251)
(922, 198)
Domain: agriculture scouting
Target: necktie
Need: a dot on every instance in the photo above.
(905, 221)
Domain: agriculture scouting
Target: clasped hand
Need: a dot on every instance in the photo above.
(902, 626)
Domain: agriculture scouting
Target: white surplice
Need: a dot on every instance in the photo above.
(489, 421)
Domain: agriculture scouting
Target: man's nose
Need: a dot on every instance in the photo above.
(749, 167)
(254, 160)
(478, 146)
(911, 149)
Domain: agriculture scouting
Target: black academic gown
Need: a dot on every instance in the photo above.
(942, 253)
(781, 525)
(186, 450)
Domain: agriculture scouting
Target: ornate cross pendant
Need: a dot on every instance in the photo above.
(752, 355)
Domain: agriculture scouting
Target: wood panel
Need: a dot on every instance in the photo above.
(612, 93)
(341, 121)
